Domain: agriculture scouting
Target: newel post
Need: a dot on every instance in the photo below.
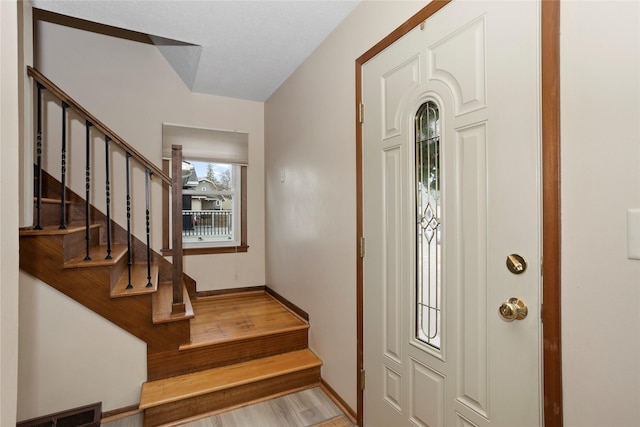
(178, 305)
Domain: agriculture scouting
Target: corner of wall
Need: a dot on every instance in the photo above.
(9, 135)
(25, 108)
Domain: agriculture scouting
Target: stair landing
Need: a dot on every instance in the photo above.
(232, 317)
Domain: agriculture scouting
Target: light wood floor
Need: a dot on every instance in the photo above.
(227, 317)
(303, 409)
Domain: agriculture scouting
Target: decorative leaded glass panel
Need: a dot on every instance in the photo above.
(429, 224)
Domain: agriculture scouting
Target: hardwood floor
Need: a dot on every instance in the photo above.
(302, 409)
(226, 317)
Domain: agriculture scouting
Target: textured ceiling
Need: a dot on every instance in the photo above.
(240, 49)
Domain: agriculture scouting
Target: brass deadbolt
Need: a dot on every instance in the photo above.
(516, 264)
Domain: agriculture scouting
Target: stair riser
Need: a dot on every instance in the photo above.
(75, 244)
(50, 214)
(118, 270)
(220, 400)
(178, 362)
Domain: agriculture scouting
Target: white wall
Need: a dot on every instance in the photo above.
(9, 134)
(311, 217)
(70, 356)
(26, 129)
(600, 111)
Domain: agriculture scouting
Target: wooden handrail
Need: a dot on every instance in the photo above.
(63, 96)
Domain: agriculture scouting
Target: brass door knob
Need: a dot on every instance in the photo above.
(514, 309)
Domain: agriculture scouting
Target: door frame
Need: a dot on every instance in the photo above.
(551, 238)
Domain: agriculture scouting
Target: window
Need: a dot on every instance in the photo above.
(209, 211)
(214, 204)
(429, 224)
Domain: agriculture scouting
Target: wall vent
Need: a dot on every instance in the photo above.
(84, 416)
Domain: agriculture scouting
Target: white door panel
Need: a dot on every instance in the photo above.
(479, 62)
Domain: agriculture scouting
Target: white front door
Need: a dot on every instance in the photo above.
(442, 217)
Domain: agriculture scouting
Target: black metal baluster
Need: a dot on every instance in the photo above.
(108, 191)
(146, 184)
(39, 159)
(63, 185)
(88, 189)
(129, 285)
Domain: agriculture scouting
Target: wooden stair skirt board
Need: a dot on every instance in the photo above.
(177, 398)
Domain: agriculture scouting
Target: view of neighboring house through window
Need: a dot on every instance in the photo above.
(214, 174)
(209, 204)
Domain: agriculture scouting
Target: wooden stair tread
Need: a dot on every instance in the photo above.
(173, 389)
(232, 317)
(52, 201)
(162, 303)
(54, 230)
(98, 254)
(139, 280)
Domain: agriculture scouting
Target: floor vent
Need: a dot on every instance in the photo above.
(85, 416)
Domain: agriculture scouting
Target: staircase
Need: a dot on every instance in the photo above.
(217, 352)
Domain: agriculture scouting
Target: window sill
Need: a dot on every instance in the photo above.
(205, 251)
